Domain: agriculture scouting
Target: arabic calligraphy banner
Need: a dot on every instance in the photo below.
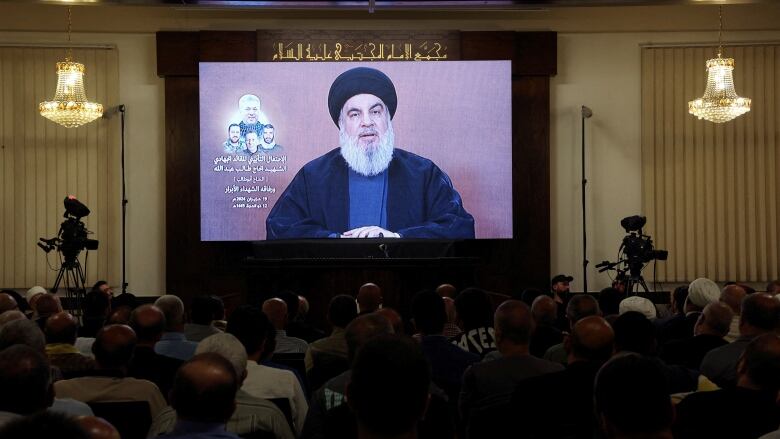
(324, 45)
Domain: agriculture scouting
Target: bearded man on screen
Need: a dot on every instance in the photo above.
(367, 188)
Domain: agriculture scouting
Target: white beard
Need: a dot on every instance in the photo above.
(369, 162)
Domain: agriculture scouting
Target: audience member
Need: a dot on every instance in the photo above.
(536, 402)
(204, 397)
(631, 398)
(24, 332)
(331, 352)
(732, 295)
(32, 295)
(676, 312)
(276, 311)
(389, 388)
(773, 288)
(97, 428)
(760, 315)
(113, 350)
(712, 326)
(333, 393)
(97, 307)
(447, 290)
(251, 327)
(609, 301)
(10, 316)
(701, 292)
(545, 312)
(205, 309)
(60, 334)
(369, 298)
(45, 424)
(119, 315)
(747, 410)
(451, 328)
(7, 302)
(474, 313)
(251, 414)
(25, 381)
(579, 307)
(559, 287)
(394, 318)
(173, 343)
(635, 333)
(297, 324)
(148, 322)
(21, 304)
(46, 305)
(448, 362)
(495, 380)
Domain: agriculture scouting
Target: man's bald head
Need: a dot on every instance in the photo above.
(581, 306)
(732, 295)
(47, 304)
(24, 332)
(369, 297)
(10, 316)
(113, 347)
(544, 310)
(7, 303)
(394, 318)
(759, 364)
(276, 310)
(97, 428)
(715, 320)
(760, 314)
(364, 328)
(446, 290)
(173, 308)
(25, 380)
(148, 322)
(592, 339)
(204, 389)
(513, 323)
(61, 328)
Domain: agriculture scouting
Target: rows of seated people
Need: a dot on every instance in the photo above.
(462, 364)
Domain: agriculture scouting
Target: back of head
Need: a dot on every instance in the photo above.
(97, 428)
(582, 305)
(113, 346)
(388, 391)
(632, 396)
(61, 328)
(761, 311)
(47, 304)
(95, 304)
(7, 302)
(303, 307)
(640, 305)
(513, 323)
(21, 303)
(173, 308)
(474, 309)
(364, 328)
(428, 312)
(635, 333)
(148, 322)
(250, 326)
(206, 308)
(45, 424)
(24, 380)
(679, 296)
(276, 311)
(369, 297)
(341, 310)
(24, 332)
(394, 318)
(592, 339)
(10, 316)
(119, 316)
(609, 300)
(760, 363)
(717, 317)
(732, 295)
(229, 347)
(204, 389)
(701, 292)
(447, 290)
(544, 310)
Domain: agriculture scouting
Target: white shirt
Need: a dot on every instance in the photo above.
(267, 382)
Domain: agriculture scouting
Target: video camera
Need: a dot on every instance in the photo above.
(72, 237)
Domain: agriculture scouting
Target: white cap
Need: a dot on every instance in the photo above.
(638, 304)
(34, 291)
(703, 291)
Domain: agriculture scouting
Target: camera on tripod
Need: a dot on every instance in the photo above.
(72, 237)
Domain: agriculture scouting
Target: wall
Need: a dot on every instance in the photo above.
(597, 69)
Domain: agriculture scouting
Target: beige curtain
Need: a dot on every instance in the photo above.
(42, 162)
(710, 191)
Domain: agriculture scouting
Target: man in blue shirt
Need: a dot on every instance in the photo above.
(367, 188)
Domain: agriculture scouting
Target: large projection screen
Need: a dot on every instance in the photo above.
(457, 114)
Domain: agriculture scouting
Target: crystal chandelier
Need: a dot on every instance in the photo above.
(720, 102)
(70, 107)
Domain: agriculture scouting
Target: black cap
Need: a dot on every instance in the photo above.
(361, 80)
(561, 278)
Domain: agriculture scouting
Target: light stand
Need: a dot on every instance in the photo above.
(586, 113)
(121, 110)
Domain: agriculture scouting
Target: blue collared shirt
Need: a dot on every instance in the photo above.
(199, 430)
(176, 345)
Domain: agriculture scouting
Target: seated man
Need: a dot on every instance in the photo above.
(367, 188)
(60, 346)
(341, 311)
(25, 382)
(173, 343)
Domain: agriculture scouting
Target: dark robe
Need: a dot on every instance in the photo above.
(421, 201)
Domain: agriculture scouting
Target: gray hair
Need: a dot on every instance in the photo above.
(227, 346)
(24, 332)
(173, 308)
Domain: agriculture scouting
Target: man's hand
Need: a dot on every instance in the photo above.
(369, 232)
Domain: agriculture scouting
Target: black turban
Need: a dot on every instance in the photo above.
(361, 80)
